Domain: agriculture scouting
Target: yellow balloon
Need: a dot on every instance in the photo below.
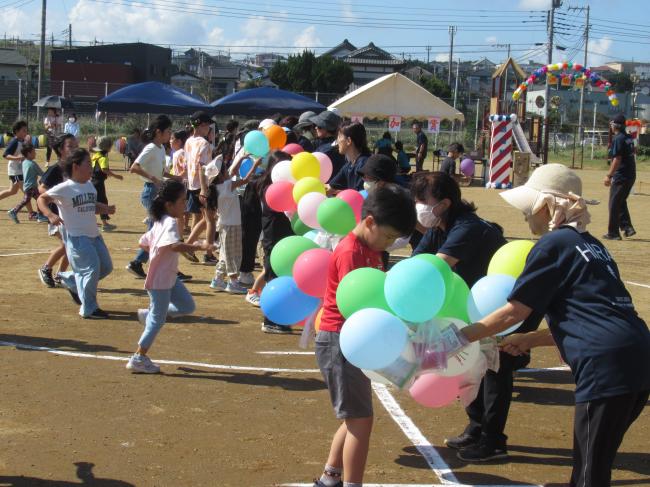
(615, 102)
(307, 185)
(305, 165)
(511, 258)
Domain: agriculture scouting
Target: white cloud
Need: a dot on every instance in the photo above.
(442, 57)
(307, 37)
(346, 11)
(491, 39)
(534, 4)
(601, 46)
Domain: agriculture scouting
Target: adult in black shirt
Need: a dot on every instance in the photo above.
(421, 143)
(620, 179)
(304, 126)
(327, 125)
(467, 243)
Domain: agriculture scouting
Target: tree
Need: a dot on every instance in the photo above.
(435, 86)
(621, 82)
(306, 73)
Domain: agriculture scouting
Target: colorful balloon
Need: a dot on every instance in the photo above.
(282, 172)
(283, 303)
(286, 251)
(276, 136)
(336, 216)
(373, 338)
(511, 258)
(440, 264)
(456, 295)
(256, 143)
(293, 149)
(489, 294)
(359, 289)
(307, 185)
(279, 196)
(435, 391)
(326, 167)
(310, 271)
(298, 226)
(467, 167)
(354, 199)
(305, 165)
(308, 208)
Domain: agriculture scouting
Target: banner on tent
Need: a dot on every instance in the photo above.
(394, 123)
(434, 125)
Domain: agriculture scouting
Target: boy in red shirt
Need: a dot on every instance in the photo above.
(388, 213)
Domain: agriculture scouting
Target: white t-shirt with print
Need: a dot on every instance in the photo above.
(76, 203)
(152, 160)
(197, 155)
(229, 209)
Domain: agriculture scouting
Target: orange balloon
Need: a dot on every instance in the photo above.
(277, 137)
(318, 318)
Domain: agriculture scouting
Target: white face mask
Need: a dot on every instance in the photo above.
(426, 218)
(369, 185)
(71, 120)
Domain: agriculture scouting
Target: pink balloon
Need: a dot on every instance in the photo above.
(279, 196)
(435, 391)
(310, 271)
(325, 166)
(293, 149)
(308, 208)
(354, 199)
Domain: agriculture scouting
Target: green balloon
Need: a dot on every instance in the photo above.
(455, 305)
(298, 226)
(511, 258)
(361, 288)
(336, 216)
(441, 265)
(286, 251)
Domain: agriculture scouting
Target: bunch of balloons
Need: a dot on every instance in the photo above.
(565, 68)
(394, 320)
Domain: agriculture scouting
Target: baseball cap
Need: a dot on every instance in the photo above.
(327, 120)
(200, 117)
(303, 120)
(380, 167)
(550, 178)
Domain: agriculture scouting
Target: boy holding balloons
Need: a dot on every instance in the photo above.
(388, 213)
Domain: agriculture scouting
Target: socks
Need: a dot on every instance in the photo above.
(331, 476)
(352, 484)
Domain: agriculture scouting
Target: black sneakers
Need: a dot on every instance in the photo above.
(135, 268)
(629, 232)
(98, 314)
(183, 277)
(45, 274)
(482, 452)
(607, 236)
(318, 483)
(461, 441)
(210, 259)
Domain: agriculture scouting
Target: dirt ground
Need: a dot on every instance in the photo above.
(73, 420)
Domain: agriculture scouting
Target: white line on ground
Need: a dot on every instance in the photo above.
(423, 485)
(26, 253)
(168, 362)
(415, 436)
(637, 284)
(290, 352)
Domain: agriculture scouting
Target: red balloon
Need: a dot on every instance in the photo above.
(310, 271)
(293, 149)
(354, 199)
(279, 196)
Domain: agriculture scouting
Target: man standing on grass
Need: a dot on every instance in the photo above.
(421, 143)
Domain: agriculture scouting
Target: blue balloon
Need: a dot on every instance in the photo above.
(35, 141)
(311, 235)
(363, 193)
(373, 338)
(489, 294)
(245, 167)
(256, 143)
(415, 290)
(283, 303)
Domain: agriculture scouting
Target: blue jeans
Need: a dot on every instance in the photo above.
(90, 262)
(146, 198)
(176, 301)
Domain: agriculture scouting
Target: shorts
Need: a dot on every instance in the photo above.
(349, 388)
(16, 179)
(194, 204)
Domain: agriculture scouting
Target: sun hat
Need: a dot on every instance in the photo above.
(327, 120)
(103, 144)
(266, 123)
(303, 120)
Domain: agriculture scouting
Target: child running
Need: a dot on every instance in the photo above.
(101, 172)
(167, 293)
(14, 155)
(76, 199)
(388, 213)
(31, 172)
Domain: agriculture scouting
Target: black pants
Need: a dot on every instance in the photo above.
(598, 430)
(619, 215)
(251, 229)
(488, 413)
(100, 186)
(419, 164)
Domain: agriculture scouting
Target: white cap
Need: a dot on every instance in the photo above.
(213, 168)
(266, 123)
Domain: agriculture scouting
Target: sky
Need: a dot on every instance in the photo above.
(404, 29)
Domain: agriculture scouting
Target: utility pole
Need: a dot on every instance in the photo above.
(70, 36)
(41, 57)
(428, 53)
(593, 130)
(581, 129)
(452, 34)
(547, 90)
(456, 82)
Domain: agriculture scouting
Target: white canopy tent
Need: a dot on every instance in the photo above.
(394, 94)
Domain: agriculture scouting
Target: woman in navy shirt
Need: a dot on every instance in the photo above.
(353, 144)
(571, 278)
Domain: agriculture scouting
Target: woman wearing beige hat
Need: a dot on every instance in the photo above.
(572, 279)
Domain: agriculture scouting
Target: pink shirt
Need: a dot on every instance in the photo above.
(197, 155)
(163, 261)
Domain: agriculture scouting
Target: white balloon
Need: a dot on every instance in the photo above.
(308, 208)
(282, 172)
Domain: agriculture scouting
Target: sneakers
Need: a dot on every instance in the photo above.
(481, 452)
(235, 287)
(74, 295)
(253, 298)
(607, 236)
(33, 216)
(141, 364)
(218, 285)
(13, 215)
(135, 268)
(108, 227)
(246, 279)
(318, 483)
(210, 259)
(183, 277)
(191, 256)
(461, 441)
(45, 274)
(58, 280)
(98, 314)
(41, 218)
(142, 316)
(629, 232)
(276, 329)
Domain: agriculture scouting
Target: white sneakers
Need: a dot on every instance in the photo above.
(231, 287)
(141, 364)
(253, 298)
(246, 279)
(218, 285)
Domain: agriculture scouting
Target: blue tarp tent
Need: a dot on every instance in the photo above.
(152, 97)
(265, 101)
